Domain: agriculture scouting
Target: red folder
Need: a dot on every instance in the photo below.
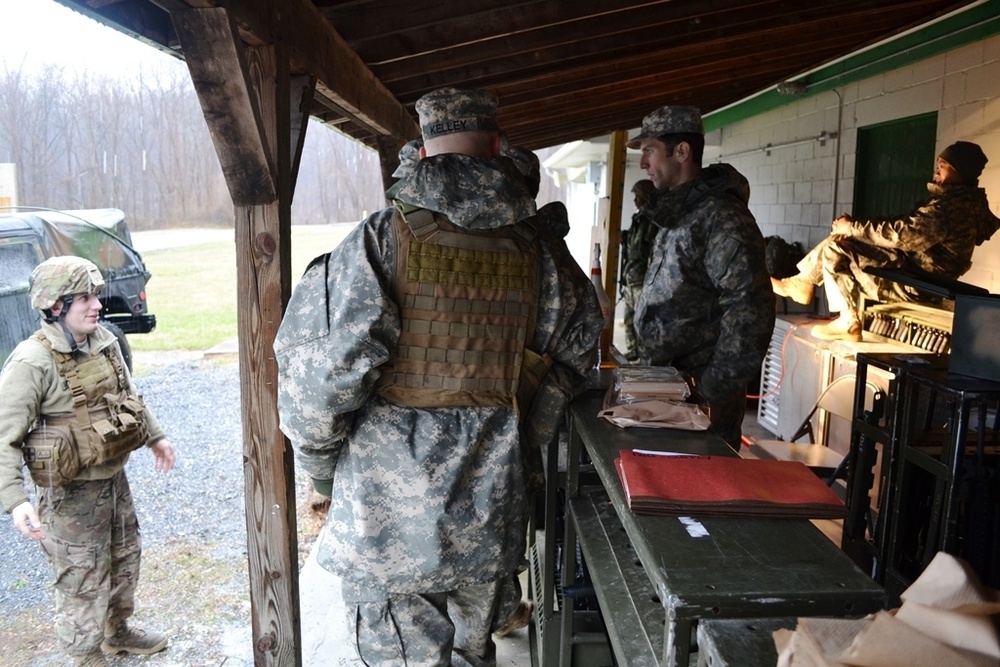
(724, 486)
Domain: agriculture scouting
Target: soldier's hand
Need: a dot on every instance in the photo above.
(27, 521)
(163, 455)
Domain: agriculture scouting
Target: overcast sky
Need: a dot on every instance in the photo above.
(35, 33)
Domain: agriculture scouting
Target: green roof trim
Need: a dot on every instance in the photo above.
(971, 25)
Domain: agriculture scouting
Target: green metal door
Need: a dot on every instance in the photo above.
(895, 162)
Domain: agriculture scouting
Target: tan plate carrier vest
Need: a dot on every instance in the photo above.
(107, 421)
(467, 301)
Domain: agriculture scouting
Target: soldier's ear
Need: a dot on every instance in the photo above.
(56, 308)
(682, 151)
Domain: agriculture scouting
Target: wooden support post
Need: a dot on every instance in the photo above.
(263, 259)
(215, 60)
(616, 188)
(302, 90)
(258, 116)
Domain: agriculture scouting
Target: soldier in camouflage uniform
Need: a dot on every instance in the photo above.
(938, 237)
(637, 248)
(706, 305)
(401, 368)
(87, 525)
(409, 156)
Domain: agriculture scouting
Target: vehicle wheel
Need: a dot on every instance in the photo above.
(122, 343)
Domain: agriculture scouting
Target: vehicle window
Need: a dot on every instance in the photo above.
(17, 261)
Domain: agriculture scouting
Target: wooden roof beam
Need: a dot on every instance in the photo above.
(314, 47)
(217, 63)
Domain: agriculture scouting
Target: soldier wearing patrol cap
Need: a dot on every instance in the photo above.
(637, 246)
(409, 156)
(415, 360)
(706, 305)
(76, 452)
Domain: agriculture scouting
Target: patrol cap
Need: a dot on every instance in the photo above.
(58, 277)
(449, 110)
(967, 159)
(669, 120)
(409, 156)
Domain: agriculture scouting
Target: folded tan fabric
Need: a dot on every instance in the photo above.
(948, 618)
(657, 414)
(888, 642)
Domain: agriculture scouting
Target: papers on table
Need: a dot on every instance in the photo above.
(724, 486)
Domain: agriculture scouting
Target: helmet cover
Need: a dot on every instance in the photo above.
(59, 277)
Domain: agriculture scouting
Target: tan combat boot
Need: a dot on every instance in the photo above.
(123, 639)
(846, 327)
(92, 659)
(796, 288)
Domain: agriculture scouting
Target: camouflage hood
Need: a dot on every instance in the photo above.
(667, 206)
(977, 207)
(474, 193)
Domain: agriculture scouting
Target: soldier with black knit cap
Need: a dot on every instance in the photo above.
(938, 236)
(70, 410)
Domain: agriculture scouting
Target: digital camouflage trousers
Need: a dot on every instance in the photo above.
(93, 547)
(429, 629)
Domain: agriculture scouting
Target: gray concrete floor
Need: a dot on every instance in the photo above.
(325, 641)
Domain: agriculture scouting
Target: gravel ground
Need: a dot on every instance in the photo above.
(194, 582)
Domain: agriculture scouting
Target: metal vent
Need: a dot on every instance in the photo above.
(770, 378)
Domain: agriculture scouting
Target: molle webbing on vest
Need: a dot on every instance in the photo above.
(108, 417)
(467, 303)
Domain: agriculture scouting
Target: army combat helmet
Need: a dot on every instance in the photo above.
(61, 278)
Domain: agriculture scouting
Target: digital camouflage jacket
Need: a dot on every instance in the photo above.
(425, 499)
(940, 234)
(638, 248)
(706, 305)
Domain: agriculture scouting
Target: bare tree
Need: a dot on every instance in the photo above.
(142, 145)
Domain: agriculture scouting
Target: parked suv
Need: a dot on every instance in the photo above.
(29, 237)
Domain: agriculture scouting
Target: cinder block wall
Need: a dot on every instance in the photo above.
(797, 190)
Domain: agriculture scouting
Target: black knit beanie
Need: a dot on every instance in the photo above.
(967, 158)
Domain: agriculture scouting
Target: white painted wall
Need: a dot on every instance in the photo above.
(797, 191)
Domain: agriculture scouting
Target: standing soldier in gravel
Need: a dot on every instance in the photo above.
(71, 411)
(706, 305)
(407, 359)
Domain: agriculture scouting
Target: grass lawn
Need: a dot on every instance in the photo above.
(193, 288)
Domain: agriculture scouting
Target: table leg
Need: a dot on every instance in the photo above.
(677, 642)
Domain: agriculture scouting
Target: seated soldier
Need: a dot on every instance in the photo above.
(938, 237)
